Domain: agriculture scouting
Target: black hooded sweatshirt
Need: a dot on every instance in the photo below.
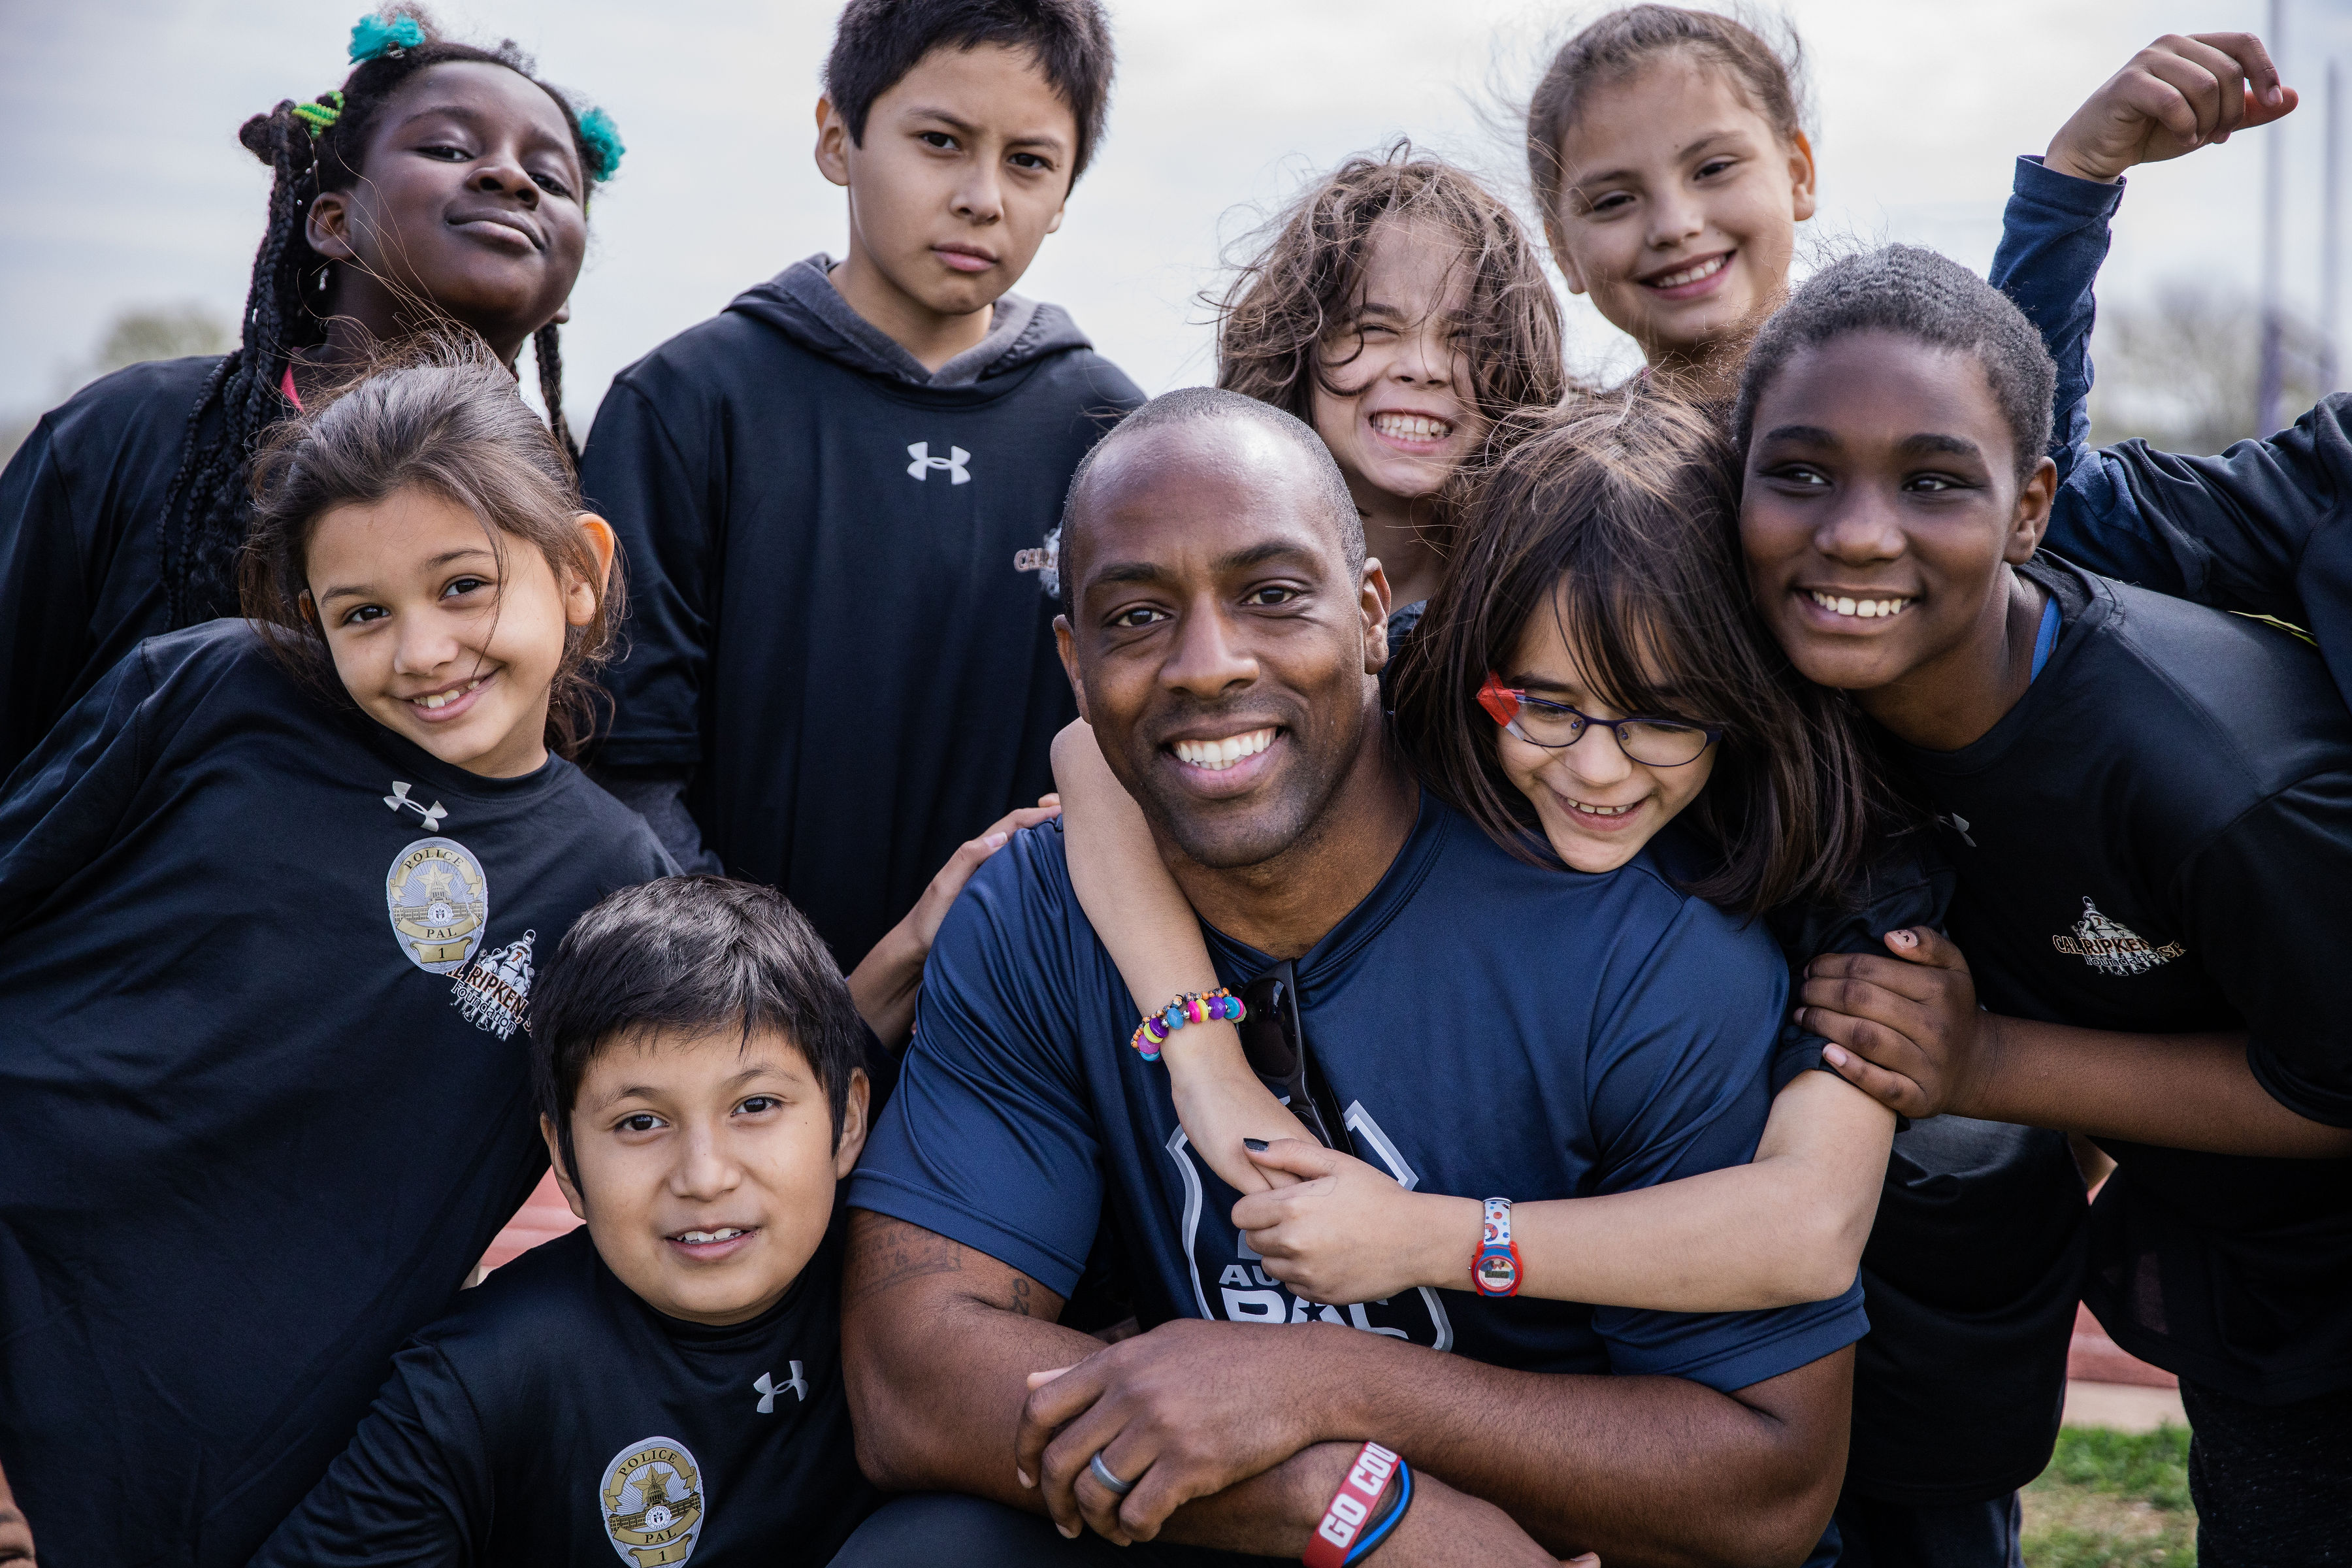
(828, 633)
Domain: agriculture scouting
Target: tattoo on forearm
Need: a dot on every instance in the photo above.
(886, 1253)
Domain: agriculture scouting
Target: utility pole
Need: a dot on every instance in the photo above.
(2331, 241)
(2267, 395)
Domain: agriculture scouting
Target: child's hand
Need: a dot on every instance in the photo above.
(15, 1535)
(885, 983)
(1915, 1021)
(922, 921)
(2177, 95)
(1348, 1232)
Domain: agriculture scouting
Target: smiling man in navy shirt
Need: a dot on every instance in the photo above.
(1485, 1027)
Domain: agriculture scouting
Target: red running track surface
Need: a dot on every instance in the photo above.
(543, 1217)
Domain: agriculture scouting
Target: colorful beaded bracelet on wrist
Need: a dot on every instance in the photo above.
(1192, 1008)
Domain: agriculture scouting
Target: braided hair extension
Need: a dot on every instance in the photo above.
(549, 354)
(313, 147)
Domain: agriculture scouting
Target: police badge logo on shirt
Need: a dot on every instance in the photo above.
(653, 1509)
(2112, 947)
(438, 899)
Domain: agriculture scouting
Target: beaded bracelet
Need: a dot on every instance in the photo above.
(1192, 1008)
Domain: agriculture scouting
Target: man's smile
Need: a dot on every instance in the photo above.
(1221, 765)
(1216, 756)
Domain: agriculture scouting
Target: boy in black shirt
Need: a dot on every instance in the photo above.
(664, 1381)
(2149, 805)
(837, 674)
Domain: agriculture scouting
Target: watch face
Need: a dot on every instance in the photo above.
(1497, 1272)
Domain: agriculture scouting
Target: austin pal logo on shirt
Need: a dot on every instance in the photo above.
(1230, 1282)
(2111, 947)
(653, 1512)
(953, 463)
(438, 899)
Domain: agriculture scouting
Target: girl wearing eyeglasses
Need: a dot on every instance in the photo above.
(1591, 685)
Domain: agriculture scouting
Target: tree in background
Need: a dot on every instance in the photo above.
(2181, 368)
(137, 335)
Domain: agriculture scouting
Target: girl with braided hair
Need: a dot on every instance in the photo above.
(440, 184)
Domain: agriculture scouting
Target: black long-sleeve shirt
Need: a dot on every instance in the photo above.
(554, 1419)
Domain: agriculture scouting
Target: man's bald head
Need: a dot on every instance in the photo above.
(1206, 406)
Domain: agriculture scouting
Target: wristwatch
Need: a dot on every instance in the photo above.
(1495, 1271)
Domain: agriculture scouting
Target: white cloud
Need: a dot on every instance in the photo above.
(125, 185)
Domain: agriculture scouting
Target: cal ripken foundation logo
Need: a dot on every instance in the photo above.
(2113, 948)
(439, 899)
(651, 1510)
(494, 991)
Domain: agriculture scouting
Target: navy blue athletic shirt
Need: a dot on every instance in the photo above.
(262, 964)
(2261, 528)
(554, 1419)
(1488, 1027)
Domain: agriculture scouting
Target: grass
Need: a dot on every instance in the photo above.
(2113, 1500)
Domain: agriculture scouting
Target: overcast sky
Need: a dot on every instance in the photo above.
(125, 185)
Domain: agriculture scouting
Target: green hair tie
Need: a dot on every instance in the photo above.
(320, 115)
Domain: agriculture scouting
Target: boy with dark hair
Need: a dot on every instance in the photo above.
(665, 1379)
(837, 672)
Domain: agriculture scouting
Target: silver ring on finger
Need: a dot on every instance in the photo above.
(1101, 1472)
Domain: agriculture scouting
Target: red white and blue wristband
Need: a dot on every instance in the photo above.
(1354, 1525)
(1495, 1271)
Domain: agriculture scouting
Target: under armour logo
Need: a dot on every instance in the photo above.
(767, 1387)
(1958, 824)
(953, 463)
(431, 813)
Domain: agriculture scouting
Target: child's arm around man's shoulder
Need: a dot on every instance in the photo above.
(2257, 528)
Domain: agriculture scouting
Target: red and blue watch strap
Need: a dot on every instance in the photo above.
(1495, 1269)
